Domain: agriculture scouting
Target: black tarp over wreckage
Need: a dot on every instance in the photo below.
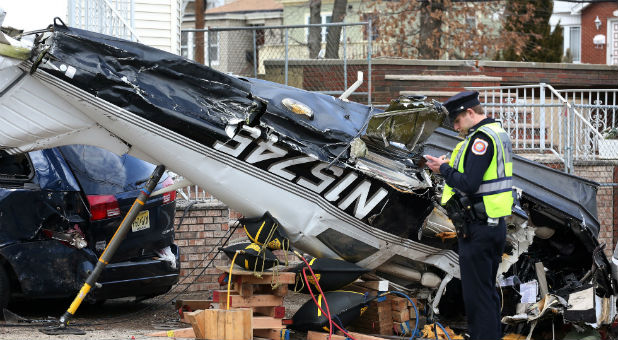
(344, 180)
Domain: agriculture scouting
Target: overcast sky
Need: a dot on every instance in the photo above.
(32, 14)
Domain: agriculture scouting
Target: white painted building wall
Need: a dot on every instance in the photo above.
(157, 23)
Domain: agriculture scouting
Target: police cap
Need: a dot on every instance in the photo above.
(460, 102)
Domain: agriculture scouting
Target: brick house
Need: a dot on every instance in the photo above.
(590, 30)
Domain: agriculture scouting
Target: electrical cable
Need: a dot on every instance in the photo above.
(182, 218)
(444, 330)
(413, 334)
(330, 320)
(320, 307)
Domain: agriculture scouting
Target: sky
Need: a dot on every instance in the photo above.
(32, 14)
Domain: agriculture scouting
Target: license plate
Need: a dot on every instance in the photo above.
(142, 221)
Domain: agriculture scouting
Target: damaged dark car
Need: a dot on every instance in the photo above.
(60, 207)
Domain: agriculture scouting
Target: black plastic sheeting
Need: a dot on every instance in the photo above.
(197, 101)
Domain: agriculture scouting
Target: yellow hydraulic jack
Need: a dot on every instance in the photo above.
(108, 253)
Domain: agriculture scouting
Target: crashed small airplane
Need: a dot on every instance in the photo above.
(345, 180)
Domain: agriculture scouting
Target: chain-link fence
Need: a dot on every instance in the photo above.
(284, 54)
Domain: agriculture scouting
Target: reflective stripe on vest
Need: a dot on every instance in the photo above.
(496, 187)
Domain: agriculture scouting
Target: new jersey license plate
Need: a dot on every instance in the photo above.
(142, 221)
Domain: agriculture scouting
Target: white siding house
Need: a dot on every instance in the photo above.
(154, 23)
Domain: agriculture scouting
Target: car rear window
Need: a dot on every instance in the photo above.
(15, 167)
(101, 172)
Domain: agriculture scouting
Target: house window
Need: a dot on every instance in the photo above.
(575, 43)
(326, 19)
(212, 50)
(187, 45)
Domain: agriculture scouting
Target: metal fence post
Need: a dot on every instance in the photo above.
(571, 138)
(345, 61)
(254, 56)
(369, 43)
(207, 36)
(542, 116)
(286, 56)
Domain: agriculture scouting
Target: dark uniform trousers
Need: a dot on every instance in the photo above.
(479, 256)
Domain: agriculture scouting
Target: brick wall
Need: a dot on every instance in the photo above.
(204, 228)
(201, 231)
(325, 75)
(603, 173)
(591, 53)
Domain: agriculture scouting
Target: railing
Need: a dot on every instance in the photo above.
(192, 192)
(542, 119)
(111, 17)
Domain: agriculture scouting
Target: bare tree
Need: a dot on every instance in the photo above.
(315, 33)
(333, 36)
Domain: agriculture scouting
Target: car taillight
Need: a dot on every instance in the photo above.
(168, 196)
(103, 206)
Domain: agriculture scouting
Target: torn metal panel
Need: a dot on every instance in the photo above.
(407, 121)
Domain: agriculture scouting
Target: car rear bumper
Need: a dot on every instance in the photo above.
(137, 278)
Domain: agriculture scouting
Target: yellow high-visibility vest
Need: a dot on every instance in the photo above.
(497, 185)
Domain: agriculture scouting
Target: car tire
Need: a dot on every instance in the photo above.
(5, 289)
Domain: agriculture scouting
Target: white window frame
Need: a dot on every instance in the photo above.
(189, 46)
(216, 45)
(567, 41)
(611, 40)
(324, 20)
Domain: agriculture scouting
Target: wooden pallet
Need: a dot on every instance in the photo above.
(387, 315)
(255, 308)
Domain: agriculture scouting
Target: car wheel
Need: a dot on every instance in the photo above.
(5, 289)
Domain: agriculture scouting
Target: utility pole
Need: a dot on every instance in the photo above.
(199, 35)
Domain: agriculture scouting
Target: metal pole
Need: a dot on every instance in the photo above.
(369, 42)
(286, 56)
(114, 243)
(208, 47)
(571, 139)
(345, 60)
(542, 115)
(254, 56)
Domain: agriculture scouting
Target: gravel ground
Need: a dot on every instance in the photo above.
(115, 319)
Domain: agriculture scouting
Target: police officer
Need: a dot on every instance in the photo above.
(478, 184)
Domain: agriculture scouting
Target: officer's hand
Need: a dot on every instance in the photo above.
(434, 162)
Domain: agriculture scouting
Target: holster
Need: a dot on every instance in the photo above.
(457, 213)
